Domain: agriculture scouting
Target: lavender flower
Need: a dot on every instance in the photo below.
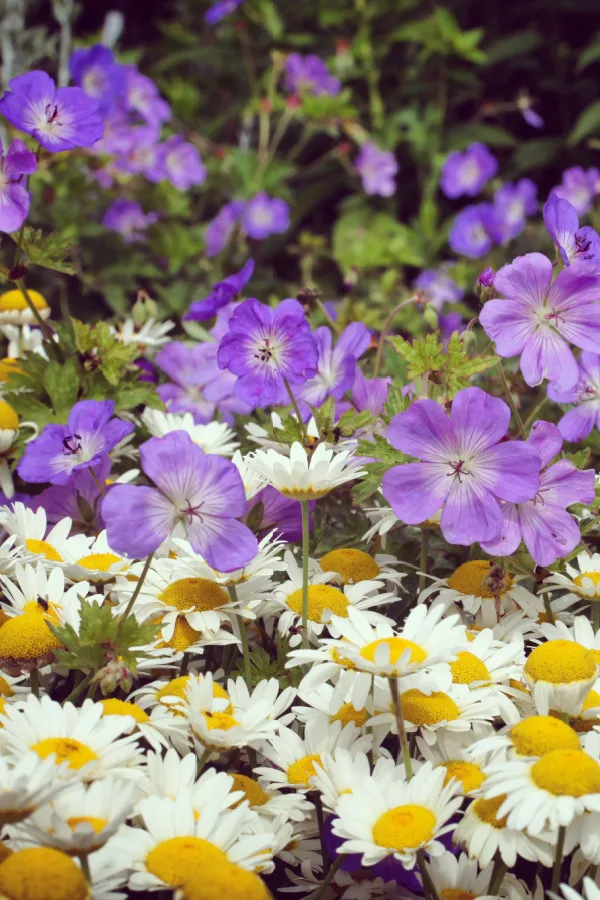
(464, 174)
(77, 500)
(438, 287)
(219, 231)
(579, 422)
(143, 155)
(14, 199)
(128, 218)
(263, 216)
(486, 278)
(337, 365)
(60, 450)
(579, 187)
(377, 169)
(95, 71)
(309, 74)
(370, 393)
(60, 118)
(198, 495)
(448, 324)
(538, 317)
(188, 368)
(270, 510)
(464, 469)
(512, 202)
(265, 348)
(142, 97)
(474, 230)
(221, 9)
(182, 164)
(574, 244)
(223, 292)
(543, 523)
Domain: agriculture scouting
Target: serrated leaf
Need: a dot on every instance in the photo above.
(588, 123)
(460, 367)
(368, 240)
(422, 356)
(61, 382)
(396, 402)
(580, 458)
(49, 251)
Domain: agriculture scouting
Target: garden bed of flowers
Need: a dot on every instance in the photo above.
(299, 590)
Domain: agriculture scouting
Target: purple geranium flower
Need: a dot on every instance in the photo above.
(377, 169)
(143, 155)
(579, 187)
(77, 500)
(142, 97)
(221, 9)
(182, 163)
(263, 216)
(512, 202)
(223, 292)
(438, 287)
(474, 230)
(464, 174)
(574, 244)
(448, 324)
(218, 231)
(543, 523)
(128, 218)
(486, 278)
(370, 393)
(337, 365)
(199, 494)
(14, 199)
(579, 422)
(270, 510)
(265, 348)
(60, 450)
(95, 70)
(60, 118)
(539, 317)
(464, 468)
(188, 368)
(309, 74)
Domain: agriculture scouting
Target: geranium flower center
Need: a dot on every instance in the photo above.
(560, 662)
(194, 594)
(487, 811)
(468, 668)
(397, 647)
(351, 565)
(174, 860)
(567, 773)
(538, 735)
(404, 827)
(253, 792)
(267, 349)
(43, 548)
(321, 598)
(467, 773)
(71, 445)
(303, 769)
(420, 709)
(68, 750)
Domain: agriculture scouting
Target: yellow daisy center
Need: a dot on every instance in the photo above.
(220, 721)
(470, 578)
(198, 594)
(468, 668)
(560, 662)
(68, 750)
(321, 598)
(14, 300)
(216, 882)
(9, 420)
(4, 851)
(456, 894)
(303, 769)
(253, 792)
(27, 637)
(5, 688)
(347, 713)
(420, 709)
(44, 549)
(41, 873)
(7, 367)
(177, 688)
(592, 701)
(397, 646)
(467, 773)
(594, 577)
(570, 773)
(487, 811)
(538, 735)
(100, 562)
(351, 565)
(114, 707)
(404, 827)
(173, 861)
(183, 635)
(94, 822)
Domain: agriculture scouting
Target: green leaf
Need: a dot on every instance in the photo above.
(61, 382)
(589, 55)
(580, 458)
(49, 251)
(588, 123)
(536, 153)
(422, 356)
(396, 402)
(369, 240)
(512, 46)
(460, 137)
(460, 367)
(271, 19)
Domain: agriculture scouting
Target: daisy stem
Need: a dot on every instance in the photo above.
(423, 559)
(316, 799)
(428, 885)
(185, 661)
(137, 590)
(295, 407)
(402, 737)
(560, 846)
(305, 537)
(498, 873)
(321, 890)
(46, 330)
(80, 688)
(511, 402)
(202, 760)
(85, 867)
(243, 637)
(34, 678)
(548, 608)
(596, 616)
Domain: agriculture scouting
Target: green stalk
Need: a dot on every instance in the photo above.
(243, 636)
(423, 558)
(402, 736)
(558, 857)
(511, 402)
(137, 590)
(305, 540)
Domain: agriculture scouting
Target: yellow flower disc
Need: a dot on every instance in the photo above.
(218, 882)
(404, 827)
(321, 597)
(253, 792)
(9, 420)
(97, 825)
(4, 851)
(302, 770)
(420, 709)
(456, 894)
(219, 721)
(487, 811)
(114, 707)
(27, 637)
(470, 577)
(43, 548)
(567, 773)
(538, 735)
(198, 594)
(594, 577)
(41, 873)
(183, 635)
(99, 562)
(468, 668)
(347, 713)
(352, 565)
(5, 688)
(15, 301)
(560, 662)
(592, 701)
(468, 774)
(175, 860)
(8, 366)
(397, 646)
(68, 750)
(177, 688)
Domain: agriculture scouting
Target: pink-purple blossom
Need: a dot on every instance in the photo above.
(337, 363)
(221, 9)
(96, 71)
(465, 173)
(263, 216)
(574, 244)
(438, 287)
(14, 197)
(219, 230)
(580, 187)
(474, 230)
(377, 169)
(223, 292)
(309, 74)
(129, 219)
(512, 203)
(579, 422)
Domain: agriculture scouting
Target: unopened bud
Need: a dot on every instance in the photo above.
(430, 315)
(143, 309)
(114, 675)
(469, 339)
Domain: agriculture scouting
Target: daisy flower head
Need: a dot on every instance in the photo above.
(336, 774)
(582, 579)
(458, 877)
(14, 309)
(452, 752)
(30, 530)
(26, 783)
(304, 477)
(267, 691)
(150, 334)
(213, 437)
(268, 802)
(157, 728)
(491, 663)
(533, 736)
(560, 673)
(42, 872)
(591, 891)
(251, 578)
(346, 701)
(172, 693)
(396, 819)
(229, 881)
(98, 564)
(352, 566)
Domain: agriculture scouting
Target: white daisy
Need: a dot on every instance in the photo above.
(254, 578)
(99, 563)
(384, 521)
(348, 886)
(37, 872)
(253, 482)
(532, 737)
(491, 663)
(267, 691)
(151, 334)
(10, 555)
(270, 803)
(452, 752)
(560, 674)
(215, 437)
(15, 311)
(336, 774)
(305, 478)
(29, 528)
(346, 701)
(172, 693)
(157, 728)
(23, 340)
(582, 580)
(26, 783)
(259, 435)
(352, 566)
(591, 891)
(458, 877)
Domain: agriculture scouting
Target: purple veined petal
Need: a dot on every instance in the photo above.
(526, 280)
(114, 432)
(581, 325)
(415, 491)
(562, 222)
(547, 355)
(423, 431)
(579, 422)
(91, 415)
(14, 206)
(225, 544)
(548, 531)
(547, 440)
(509, 471)
(470, 514)
(18, 160)
(43, 459)
(354, 340)
(564, 484)
(590, 365)
(137, 519)
(221, 492)
(176, 465)
(509, 324)
(576, 286)
(510, 535)
(478, 420)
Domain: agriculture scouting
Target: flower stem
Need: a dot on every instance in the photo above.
(316, 799)
(34, 678)
(202, 760)
(535, 412)
(423, 558)
(560, 846)
(185, 661)
(596, 616)
(402, 737)
(386, 327)
(511, 402)
(295, 407)
(243, 637)
(85, 867)
(548, 608)
(137, 590)
(429, 888)
(79, 688)
(320, 892)
(96, 481)
(305, 539)
(498, 873)
(46, 330)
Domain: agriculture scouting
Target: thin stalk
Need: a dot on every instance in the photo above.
(137, 590)
(533, 415)
(386, 328)
(316, 799)
(511, 402)
(295, 407)
(85, 867)
(402, 737)
(96, 481)
(34, 680)
(202, 760)
(423, 558)
(558, 857)
(564, 717)
(498, 873)
(185, 661)
(330, 321)
(596, 616)
(80, 688)
(243, 637)
(320, 892)
(305, 541)
(46, 330)
(548, 608)
(428, 885)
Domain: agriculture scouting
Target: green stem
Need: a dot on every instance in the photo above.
(596, 616)
(384, 331)
(320, 892)
(558, 857)
(243, 637)
(316, 799)
(295, 407)
(96, 481)
(429, 888)
(185, 661)
(202, 760)
(34, 680)
(85, 867)
(137, 590)
(423, 558)
(402, 736)
(46, 330)
(80, 688)
(548, 608)
(305, 542)
(533, 415)
(564, 717)
(511, 402)
(498, 873)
